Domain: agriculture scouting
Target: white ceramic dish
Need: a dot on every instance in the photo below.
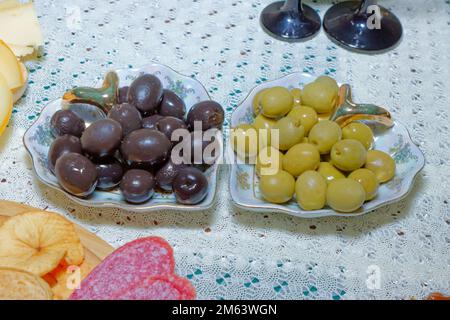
(395, 141)
(38, 138)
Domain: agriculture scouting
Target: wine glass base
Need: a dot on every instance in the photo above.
(289, 25)
(350, 30)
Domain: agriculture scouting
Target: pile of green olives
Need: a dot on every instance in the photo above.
(300, 154)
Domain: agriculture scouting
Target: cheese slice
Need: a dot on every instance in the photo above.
(21, 51)
(19, 26)
(8, 4)
(10, 67)
(6, 103)
(17, 93)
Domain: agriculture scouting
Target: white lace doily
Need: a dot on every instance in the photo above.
(400, 251)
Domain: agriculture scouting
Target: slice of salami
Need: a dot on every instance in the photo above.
(125, 267)
(165, 287)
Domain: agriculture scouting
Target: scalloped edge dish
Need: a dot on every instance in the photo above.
(396, 141)
(37, 140)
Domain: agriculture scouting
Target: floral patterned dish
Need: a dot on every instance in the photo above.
(396, 141)
(38, 138)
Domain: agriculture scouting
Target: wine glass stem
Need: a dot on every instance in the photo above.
(366, 4)
(292, 5)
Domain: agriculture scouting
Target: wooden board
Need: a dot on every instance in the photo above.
(96, 249)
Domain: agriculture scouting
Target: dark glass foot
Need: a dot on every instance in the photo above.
(290, 21)
(349, 24)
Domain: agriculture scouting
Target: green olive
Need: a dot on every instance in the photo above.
(261, 122)
(311, 190)
(324, 135)
(244, 140)
(359, 131)
(381, 164)
(296, 94)
(324, 116)
(320, 95)
(256, 102)
(277, 188)
(263, 125)
(329, 172)
(329, 82)
(368, 180)
(276, 102)
(290, 132)
(348, 155)
(300, 158)
(307, 116)
(345, 195)
(269, 161)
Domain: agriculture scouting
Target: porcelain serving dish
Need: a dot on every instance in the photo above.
(395, 140)
(38, 139)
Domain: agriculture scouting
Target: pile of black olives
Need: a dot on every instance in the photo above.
(132, 147)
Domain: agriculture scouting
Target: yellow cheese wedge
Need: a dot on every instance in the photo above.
(10, 68)
(8, 4)
(20, 26)
(18, 92)
(21, 51)
(6, 104)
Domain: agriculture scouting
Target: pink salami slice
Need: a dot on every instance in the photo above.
(166, 287)
(125, 267)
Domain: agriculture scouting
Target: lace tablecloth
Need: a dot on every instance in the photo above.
(400, 251)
